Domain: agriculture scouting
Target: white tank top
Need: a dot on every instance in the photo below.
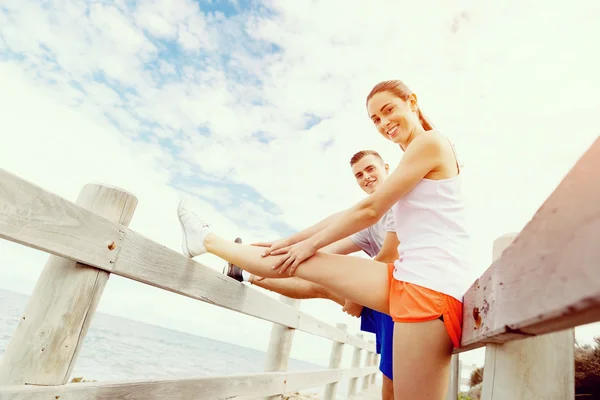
(434, 250)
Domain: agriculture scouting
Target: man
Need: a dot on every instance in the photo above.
(378, 241)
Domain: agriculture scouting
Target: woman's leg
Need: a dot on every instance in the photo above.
(422, 353)
(357, 279)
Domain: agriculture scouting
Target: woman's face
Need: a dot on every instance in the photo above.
(393, 117)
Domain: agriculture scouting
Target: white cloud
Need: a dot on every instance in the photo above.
(511, 83)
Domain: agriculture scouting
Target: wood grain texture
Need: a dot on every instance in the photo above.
(369, 362)
(280, 342)
(280, 345)
(335, 361)
(453, 379)
(309, 324)
(353, 383)
(548, 279)
(376, 359)
(36, 218)
(145, 261)
(51, 331)
(217, 388)
(536, 368)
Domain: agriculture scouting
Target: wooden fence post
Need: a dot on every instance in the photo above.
(368, 362)
(335, 361)
(375, 364)
(280, 345)
(353, 385)
(536, 368)
(454, 377)
(47, 340)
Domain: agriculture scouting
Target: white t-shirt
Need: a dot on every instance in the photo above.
(371, 239)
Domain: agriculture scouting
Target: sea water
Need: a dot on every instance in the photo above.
(117, 348)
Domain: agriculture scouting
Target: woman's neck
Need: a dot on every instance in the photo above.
(416, 132)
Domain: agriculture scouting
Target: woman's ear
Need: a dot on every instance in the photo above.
(412, 101)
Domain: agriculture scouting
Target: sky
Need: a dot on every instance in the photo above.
(255, 108)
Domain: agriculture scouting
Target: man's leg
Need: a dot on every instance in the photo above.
(387, 389)
(297, 288)
(385, 336)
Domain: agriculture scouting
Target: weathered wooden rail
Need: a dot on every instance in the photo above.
(90, 240)
(543, 283)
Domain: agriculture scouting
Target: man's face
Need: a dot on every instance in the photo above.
(370, 172)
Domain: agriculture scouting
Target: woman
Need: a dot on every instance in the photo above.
(423, 289)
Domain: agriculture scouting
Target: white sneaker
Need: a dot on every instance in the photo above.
(194, 229)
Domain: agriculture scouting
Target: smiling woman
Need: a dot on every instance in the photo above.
(423, 289)
(395, 90)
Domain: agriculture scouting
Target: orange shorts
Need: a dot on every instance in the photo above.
(414, 303)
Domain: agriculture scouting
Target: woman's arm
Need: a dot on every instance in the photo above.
(421, 157)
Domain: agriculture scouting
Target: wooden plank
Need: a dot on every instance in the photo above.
(309, 324)
(353, 384)
(49, 336)
(280, 345)
(536, 368)
(453, 379)
(335, 361)
(224, 387)
(369, 361)
(376, 360)
(36, 218)
(145, 261)
(548, 279)
(31, 216)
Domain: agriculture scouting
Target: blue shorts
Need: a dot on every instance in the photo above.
(382, 326)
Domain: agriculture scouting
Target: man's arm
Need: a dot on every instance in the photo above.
(344, 246)
(389, 250)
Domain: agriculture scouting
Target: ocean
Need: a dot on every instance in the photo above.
(117, 348)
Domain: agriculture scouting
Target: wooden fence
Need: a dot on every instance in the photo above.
(90, 240)
(542, 283)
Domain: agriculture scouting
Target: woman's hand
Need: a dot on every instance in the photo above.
(294, 255)
(273, 246)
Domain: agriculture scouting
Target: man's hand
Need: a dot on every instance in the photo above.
(352, 308)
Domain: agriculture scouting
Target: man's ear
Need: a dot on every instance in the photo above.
(387, 168)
